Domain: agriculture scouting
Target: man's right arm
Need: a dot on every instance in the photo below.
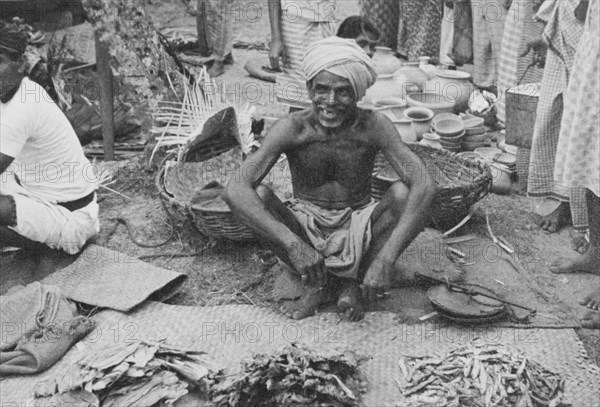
(240, 192)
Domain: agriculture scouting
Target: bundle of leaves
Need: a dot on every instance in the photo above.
(293, 376)
(479, 375)
(124, 374)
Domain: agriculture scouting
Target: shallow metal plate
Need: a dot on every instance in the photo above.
(462, 305)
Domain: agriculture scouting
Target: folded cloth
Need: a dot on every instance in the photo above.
(342, 236)
(39, 326)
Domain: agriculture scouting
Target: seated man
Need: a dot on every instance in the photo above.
(333, 228)
(48, 186)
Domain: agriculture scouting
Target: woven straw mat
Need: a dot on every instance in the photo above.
(109, 279)
(231, 333)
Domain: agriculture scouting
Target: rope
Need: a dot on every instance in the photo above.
(123, 221)
(120, 219)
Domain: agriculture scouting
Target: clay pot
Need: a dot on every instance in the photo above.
(431, 140)
(385, 61)
(393, 112)
(449, 127)
(410, 78)
(421, 119)
(384, 88)
(488, 153)
(501, 179)
(436, 102)
(404, 127)
(452, 84)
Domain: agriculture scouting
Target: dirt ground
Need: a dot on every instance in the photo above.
(223, 272)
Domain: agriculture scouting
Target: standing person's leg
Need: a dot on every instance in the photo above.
(589, 262)
(214, 22)
(540, 182)
(482, 61)
(579, 216)
(592, 300)
(446, 36)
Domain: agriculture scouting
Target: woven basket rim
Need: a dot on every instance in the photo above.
(479, 165)
(199, 207)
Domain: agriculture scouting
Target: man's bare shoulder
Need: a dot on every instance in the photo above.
(375, 123)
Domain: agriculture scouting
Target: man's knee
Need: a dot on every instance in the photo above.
(265, 193)
(397, 195)
(8, 210)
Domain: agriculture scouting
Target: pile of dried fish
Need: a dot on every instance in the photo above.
(294, 376)
(124, 374)
(480, 375)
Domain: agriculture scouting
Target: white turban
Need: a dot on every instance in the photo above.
(342, 57)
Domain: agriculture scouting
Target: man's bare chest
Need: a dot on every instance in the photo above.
(332, 159)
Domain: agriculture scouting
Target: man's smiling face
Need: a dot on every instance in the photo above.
(333, 98)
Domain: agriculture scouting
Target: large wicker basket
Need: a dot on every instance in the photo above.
(178, 182)
(460, 182)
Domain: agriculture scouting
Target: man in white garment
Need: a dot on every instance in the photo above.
(47, 192)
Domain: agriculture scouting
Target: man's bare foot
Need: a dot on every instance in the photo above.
(217, 69)
(350, 300)
(591, 320)
(589, 262)
(306, 306)
(579, 243)
(556, 220)
(592, 300)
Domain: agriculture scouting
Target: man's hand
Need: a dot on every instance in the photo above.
(309, 263)
(277, 50)
(377, 279)
(539, 48)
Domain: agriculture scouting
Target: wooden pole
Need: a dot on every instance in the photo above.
(105, 80)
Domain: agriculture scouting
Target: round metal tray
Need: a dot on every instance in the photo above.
(462, 305)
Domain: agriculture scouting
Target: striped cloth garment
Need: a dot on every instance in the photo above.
(563, 33)
(520, 28)
(302, 23)
(218, 17)
(578, 153)
(488, 25)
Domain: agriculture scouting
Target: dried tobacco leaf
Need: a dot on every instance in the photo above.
(138, 373)
(293, 376)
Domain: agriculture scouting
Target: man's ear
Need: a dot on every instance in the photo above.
(309, 86)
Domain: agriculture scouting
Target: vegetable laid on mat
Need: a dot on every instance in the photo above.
(479, 375)
(293, 376)
(126, 374)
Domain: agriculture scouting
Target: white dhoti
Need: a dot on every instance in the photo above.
(49, 223)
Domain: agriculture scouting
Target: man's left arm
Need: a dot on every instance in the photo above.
(414, 175)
